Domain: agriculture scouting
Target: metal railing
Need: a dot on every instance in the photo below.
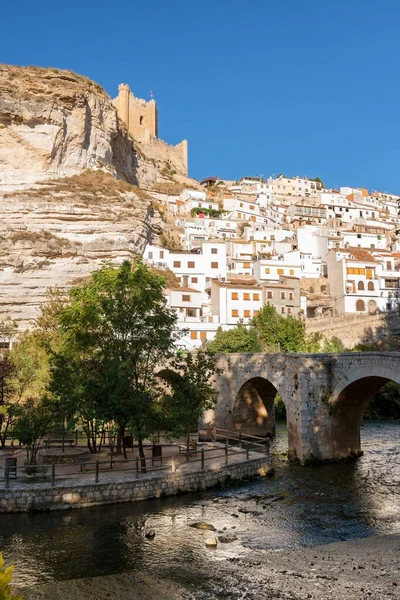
(243, 439)
(139, 465)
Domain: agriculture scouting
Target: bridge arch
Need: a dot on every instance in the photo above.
(253, 409)
(348, 403)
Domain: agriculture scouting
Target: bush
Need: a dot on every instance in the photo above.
(5, 580)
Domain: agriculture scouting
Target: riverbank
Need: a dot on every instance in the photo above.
(78, 490)
(355, 570)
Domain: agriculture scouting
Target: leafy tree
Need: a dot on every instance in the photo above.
(24, 373)
(192, 392)
(280, 334)
(238, 339)
(120, 331)
(32, 422)
(5, 580)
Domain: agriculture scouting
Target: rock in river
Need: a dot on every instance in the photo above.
(202, 525)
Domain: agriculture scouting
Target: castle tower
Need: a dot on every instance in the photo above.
(122, 103)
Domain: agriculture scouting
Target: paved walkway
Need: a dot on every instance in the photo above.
(121, 470)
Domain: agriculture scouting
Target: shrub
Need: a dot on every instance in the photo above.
(5, 580)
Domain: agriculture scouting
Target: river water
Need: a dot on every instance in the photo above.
(299, 506)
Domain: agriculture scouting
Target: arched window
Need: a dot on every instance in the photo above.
(360, 306)
(371, 286)
(360, 285)
(141, 120)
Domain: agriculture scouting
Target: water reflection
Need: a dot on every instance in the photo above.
(300, 506)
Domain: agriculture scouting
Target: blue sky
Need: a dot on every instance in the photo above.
(306, 87)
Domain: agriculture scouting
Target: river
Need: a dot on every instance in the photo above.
(300, 506)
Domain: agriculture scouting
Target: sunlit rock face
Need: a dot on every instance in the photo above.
(56, 233)
(56, 123)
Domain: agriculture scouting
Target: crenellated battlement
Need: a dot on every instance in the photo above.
(141, 119)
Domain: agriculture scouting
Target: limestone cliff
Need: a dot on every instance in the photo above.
(58, 232)
(69, 195)
(55, 124)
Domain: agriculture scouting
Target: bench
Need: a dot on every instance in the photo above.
(58, 442)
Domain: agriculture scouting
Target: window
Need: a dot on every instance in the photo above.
(246, 265)
(360, 306)
(203, 335)
(256, 296)
(291, 272)
(371, 287)
(269, 294)
(283, 310)
(241, 205)
(177, 264)
(255, 313)
(190, 264)
(235, 313)
(369, 273)
(267, 271)
(355, 271)
(214, 250)
(161, 253)
(281, 271)
(235, 296)
(359, 235)
(251, 207)
(246, 314)
(283, 295)
(214, 265)
(193, 335)
(195, 280)
(185, 297)
(360, 285)
(150, 256)
(246, 296)
(289, 310)
(290, 295)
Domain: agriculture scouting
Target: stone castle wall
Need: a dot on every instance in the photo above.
(80, 494)
(141, 120)
(356, 329)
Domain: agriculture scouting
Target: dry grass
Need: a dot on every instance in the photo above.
(91, 187)
(172, 188)
(39, 237)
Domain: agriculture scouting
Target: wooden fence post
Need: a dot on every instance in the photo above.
(97, 471)
(202, 459)
(7, 476)
(226, 454)
(53, 474)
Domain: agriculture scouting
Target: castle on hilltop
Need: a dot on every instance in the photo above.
(141, 120)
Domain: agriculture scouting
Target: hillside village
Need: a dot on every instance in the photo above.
(85, 179)
(286, 241)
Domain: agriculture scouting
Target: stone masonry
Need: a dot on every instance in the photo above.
(325, 397)
(141, 120)
(82, 493)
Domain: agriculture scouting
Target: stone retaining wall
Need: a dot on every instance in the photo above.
(79, 494)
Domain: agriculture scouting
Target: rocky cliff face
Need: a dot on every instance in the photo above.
(56, 124)
(69, 195)
(59, 232)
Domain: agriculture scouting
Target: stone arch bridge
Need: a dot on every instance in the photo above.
(325, 396)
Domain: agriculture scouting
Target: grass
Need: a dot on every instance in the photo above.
(91, 187)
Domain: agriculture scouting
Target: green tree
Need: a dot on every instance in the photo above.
(278, 333)
(238, 339)
(119, 329)
(32, 422)
(5, 581)
(190, 380)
